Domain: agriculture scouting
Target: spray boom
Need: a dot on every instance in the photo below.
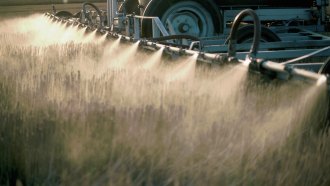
(283, 71)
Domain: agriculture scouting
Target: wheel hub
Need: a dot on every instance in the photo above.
(184, 28)
(190, 18)
(183, 23)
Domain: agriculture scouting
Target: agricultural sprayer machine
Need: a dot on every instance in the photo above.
(273, 37)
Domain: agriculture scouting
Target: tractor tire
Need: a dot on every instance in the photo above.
(245, 35)
(64, 14)
(199, 18)
(130, 7)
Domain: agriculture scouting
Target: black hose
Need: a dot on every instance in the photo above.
(325, 69)
(233, 34)
(98, 11)
(327, 120)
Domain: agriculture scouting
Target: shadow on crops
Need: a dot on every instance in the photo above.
(30, 147)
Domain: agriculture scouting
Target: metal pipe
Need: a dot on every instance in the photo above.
(305, 74)
(275, 67)
(112, 8)
(289, 71)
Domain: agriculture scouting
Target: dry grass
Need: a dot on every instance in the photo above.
(43, 2)
(11, 10)
(69, 117)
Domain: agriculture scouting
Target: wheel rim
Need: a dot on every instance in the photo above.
(189, 18)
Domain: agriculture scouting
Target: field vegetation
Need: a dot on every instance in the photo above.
(9, 10)
(44, 2)
(77, 110)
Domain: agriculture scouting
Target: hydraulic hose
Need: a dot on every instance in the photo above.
(98, 11)
(233, 34)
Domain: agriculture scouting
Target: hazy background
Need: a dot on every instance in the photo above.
(22, 8)
(35, 2)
